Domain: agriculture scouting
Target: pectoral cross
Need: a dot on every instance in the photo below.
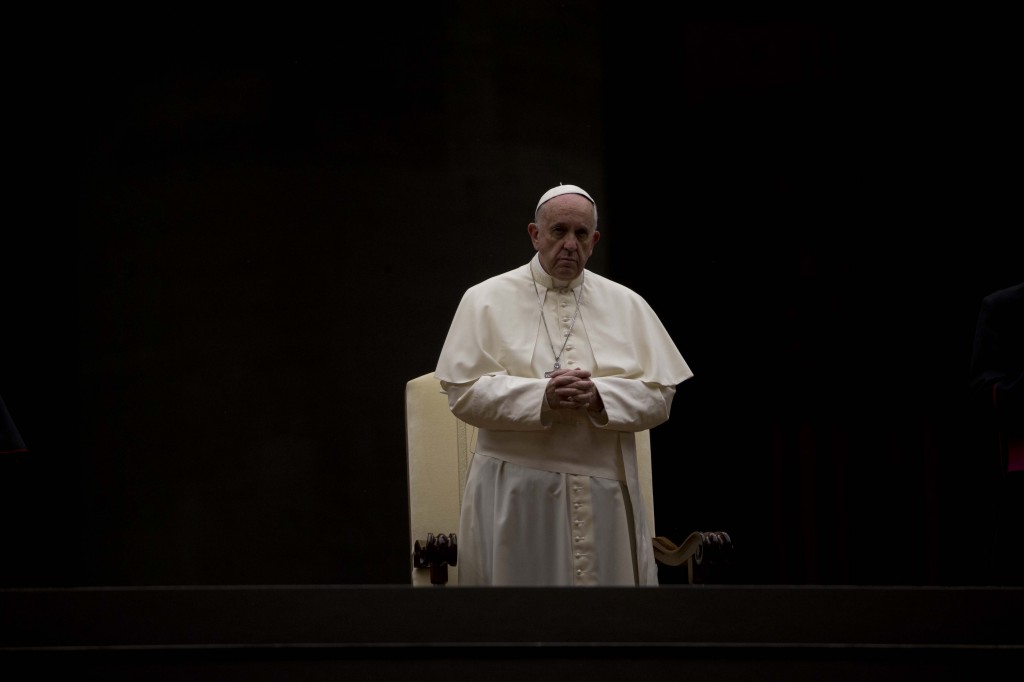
(547, 375)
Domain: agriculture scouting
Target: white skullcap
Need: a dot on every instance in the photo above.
(563, 189)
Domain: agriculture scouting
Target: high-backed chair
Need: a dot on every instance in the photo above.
(440, 447)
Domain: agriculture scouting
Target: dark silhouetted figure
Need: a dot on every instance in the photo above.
(997, 368)
(10, 439)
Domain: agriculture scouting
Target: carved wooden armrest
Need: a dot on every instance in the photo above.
(699, 551)
(437, 554)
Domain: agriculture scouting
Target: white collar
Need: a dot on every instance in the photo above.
(550, 282)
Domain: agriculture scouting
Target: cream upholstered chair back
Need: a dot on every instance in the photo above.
(440, 448)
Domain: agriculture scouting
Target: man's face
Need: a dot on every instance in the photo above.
(565, 235)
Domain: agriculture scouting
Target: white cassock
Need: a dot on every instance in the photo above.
(553, 497)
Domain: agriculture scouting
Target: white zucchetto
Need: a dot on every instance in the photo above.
(563, 189)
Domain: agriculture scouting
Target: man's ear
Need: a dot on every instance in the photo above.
(533, 230)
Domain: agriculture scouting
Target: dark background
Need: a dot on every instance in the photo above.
(232, 249)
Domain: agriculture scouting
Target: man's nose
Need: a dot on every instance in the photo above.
(570, 243)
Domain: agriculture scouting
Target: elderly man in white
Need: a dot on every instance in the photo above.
(557, 367)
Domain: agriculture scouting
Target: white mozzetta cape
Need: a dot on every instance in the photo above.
(496, 326)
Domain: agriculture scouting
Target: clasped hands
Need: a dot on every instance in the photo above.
(572, 389)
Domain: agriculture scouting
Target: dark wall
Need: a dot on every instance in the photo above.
(838, 211)
(234, 257)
